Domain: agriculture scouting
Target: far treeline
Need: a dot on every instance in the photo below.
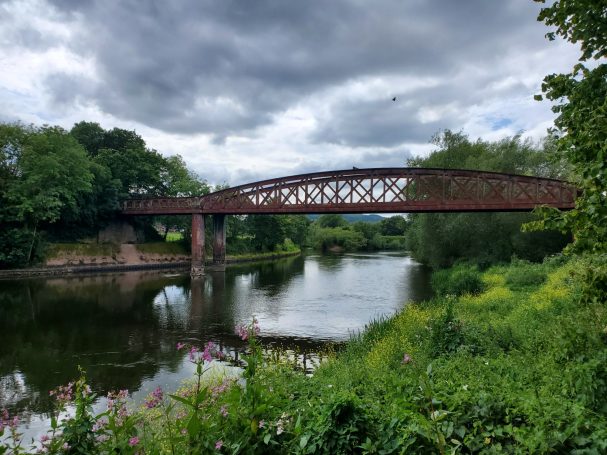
(64, 186)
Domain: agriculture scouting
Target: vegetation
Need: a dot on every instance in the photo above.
(517, 367)
(581, 124)
(442, 239)
(333, 232)
(84, 173)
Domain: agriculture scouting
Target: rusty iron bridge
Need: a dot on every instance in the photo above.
(376, 190)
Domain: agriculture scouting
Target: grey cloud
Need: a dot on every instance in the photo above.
(374, 158)
(227, 67)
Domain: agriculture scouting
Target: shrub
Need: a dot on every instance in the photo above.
(523, 274)
(457, 281)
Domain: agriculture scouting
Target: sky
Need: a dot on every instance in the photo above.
(247, 90)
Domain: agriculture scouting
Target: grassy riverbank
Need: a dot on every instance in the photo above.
(513, 359)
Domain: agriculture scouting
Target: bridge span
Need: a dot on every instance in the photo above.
(375, 190)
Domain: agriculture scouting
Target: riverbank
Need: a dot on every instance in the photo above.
(520, 365)
(68, 259)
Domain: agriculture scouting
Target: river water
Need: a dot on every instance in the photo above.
(123, 328)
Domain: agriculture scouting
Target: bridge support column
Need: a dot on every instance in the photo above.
(197, 268)
(219, 242)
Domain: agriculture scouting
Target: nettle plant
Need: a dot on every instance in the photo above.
(211, 414)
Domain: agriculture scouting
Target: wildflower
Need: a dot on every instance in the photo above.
(133, 441)
(209, 351)
(44, 438)
(406, 359)
(242, 332)
(218, 445)
(180, 346)
(262, 424)
(193, 351)
(65, 446)
(102, 438)
(224, 411)
(155, 398)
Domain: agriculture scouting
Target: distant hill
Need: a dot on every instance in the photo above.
(354, 217)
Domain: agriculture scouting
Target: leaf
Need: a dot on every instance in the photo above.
(193, 426)
(182, 400)
(303, 441)
(266, 438)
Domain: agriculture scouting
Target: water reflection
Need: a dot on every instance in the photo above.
(123, 328)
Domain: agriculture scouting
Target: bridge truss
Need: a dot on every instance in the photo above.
(377, 190)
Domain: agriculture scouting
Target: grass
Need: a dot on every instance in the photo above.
(81, 249)
(174, 237)
(171, 248)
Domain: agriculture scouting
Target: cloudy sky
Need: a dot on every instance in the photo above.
(246, 90)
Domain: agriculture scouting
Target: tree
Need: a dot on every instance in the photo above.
(45, 172)
(580, 98)
(395, 225)
(331, 220)
(440, 239)
(267, 230)
(90, 135)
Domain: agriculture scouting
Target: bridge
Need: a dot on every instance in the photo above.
(376, 190)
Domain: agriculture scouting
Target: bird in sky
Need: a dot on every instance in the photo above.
(394, 99)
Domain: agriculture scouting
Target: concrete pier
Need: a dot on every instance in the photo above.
(219, 242)
(197, 269)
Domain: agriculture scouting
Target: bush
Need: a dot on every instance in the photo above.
(457, 281)
(524, 274)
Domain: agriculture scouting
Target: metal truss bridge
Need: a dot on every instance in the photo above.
(378, 190)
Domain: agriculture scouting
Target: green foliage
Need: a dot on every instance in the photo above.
(67, 185)
(325, 239)
(331, 220)
(457, 281)
(446, 332)
(441, 239)
(504, 371)
(580, 98)
(525, 274)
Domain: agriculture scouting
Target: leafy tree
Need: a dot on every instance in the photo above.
(331, 220)
(395, 225)
(267, 231)
(137, 170)
(441, 239)
(580, 98)
(90, 135)
(45, 172)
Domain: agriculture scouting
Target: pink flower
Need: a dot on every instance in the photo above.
(218, 445)
(224, 411)
(242, 332)
(209, 351)
(133, 441)
(193, 352)
(262, 424)
(406, 359)
(154, 399)
(180, 346)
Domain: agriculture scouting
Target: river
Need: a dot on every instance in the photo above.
(123, 328)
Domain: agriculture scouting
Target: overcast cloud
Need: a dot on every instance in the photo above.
(246, 90)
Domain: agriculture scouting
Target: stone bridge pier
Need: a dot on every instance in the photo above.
(198, 242)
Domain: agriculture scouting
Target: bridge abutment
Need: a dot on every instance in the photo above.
(219, 242)
(197, 267)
